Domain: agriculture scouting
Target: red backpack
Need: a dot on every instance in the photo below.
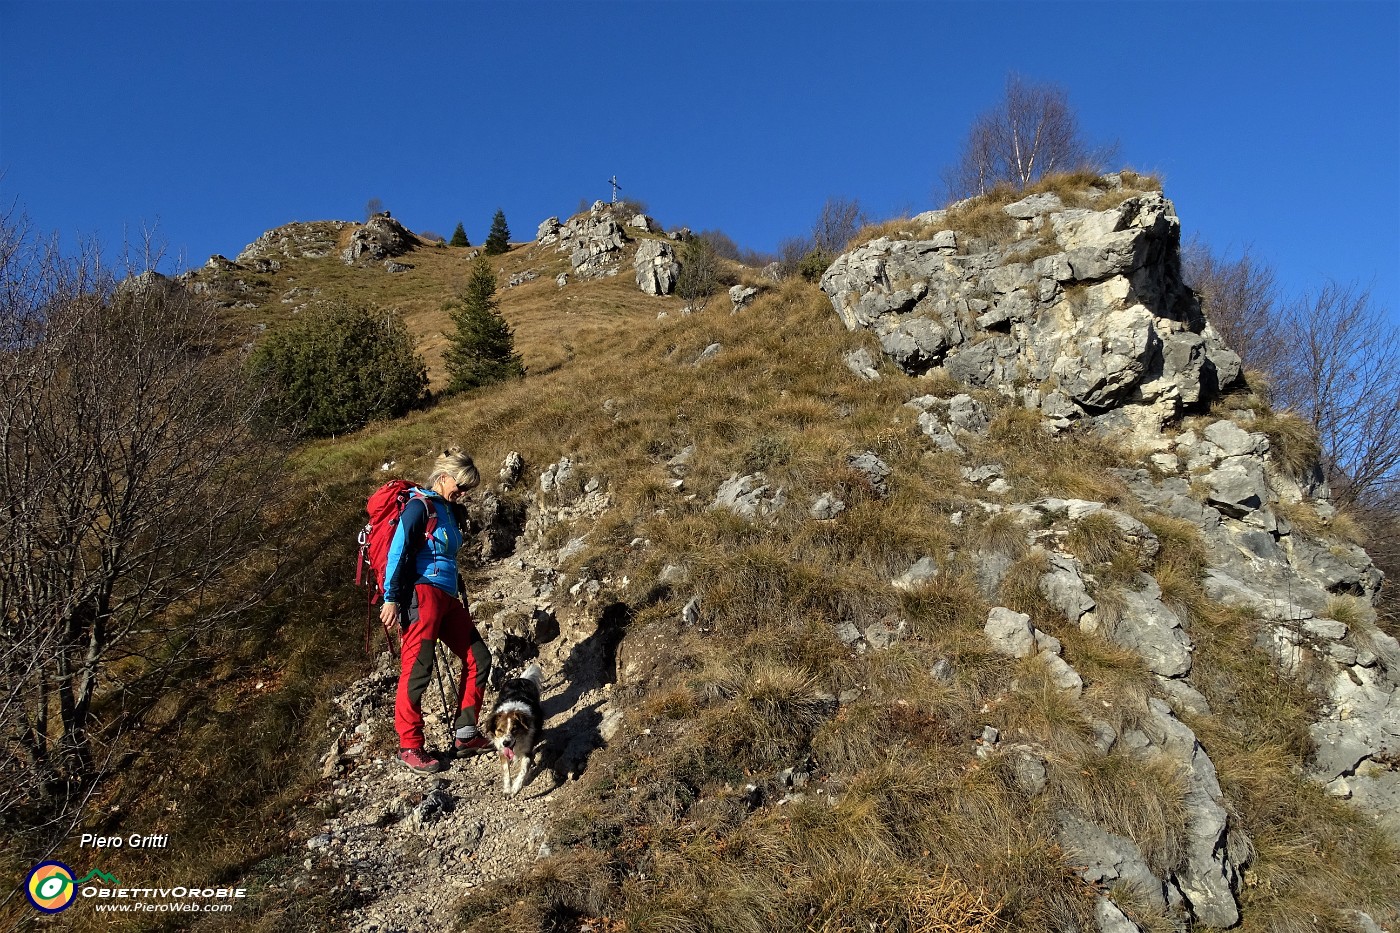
(385, 506)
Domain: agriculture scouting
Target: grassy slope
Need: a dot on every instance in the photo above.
(924, 831)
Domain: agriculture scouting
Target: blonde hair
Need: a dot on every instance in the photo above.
(456, 464)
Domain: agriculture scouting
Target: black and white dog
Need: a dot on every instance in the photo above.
(514, 726)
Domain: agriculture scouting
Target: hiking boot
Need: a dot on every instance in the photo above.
(472, 746)
(419, 760)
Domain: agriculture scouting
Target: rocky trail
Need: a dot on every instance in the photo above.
(409, 846)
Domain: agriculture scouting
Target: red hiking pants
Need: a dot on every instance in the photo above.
(437, 616)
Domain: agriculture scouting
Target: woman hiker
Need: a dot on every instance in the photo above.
(421, 596)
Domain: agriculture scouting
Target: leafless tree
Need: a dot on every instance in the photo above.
(722, 243)
(373, 206)
(132, 490)
(790, 252)
(1341, 371)
(702, 273)
(1031, 133)
(1240, 299)
(838, 222)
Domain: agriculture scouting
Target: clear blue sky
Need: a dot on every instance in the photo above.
(1275, 125)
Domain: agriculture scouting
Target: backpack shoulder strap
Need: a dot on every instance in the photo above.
(429, 509)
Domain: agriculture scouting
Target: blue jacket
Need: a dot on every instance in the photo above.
(412, 559)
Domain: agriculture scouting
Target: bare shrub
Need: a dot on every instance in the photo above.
(722, 243)
(701, 273)
(1342, 373)
(132, 489)
(1239, 298)
(837, 224)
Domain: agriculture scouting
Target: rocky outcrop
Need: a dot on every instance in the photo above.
(656, 267)
(1081, 307)
(1313, 602)
(593, 240)
(315, 240)
(382, 237)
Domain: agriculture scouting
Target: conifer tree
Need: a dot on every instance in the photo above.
(498, 240)
(482, 350)
(459, 236)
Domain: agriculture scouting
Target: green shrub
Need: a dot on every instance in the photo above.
(814, 265)
(338, 367)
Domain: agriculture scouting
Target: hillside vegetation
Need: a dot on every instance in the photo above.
(772, 772)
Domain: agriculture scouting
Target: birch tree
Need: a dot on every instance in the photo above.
(1031, 133)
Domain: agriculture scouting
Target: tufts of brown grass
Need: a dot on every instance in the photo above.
(1020, 588)
(1313, 855)
(948, 606)
(999, 533)
(984, 218)
(1304, 516)
(1095, 539)
(572, 885)
(1142, 800)
(1293, 442)
(1250, 695)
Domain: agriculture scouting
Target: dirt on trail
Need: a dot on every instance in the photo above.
(407, 846)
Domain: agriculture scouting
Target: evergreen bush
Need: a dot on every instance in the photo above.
(482, 349)
(338, 367)
(814, 265)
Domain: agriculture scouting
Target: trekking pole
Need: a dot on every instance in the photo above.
(449, 714)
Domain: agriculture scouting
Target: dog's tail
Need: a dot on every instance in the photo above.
(534, 673)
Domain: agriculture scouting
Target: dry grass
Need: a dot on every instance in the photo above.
(984, 219)
(1141, 800)
(1292, 441)
(1313, 855)
(1095, 539)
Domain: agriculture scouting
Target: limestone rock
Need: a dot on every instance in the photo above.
(875, 470)
(1104, 858)
(1064, 587)
(826, 507)
(922, 571)
(749, 496)
(382, 237)
(1106, 316)
(1062, 675)
(740, 296)
(548, 231)
(1147, 626)
(1010, 633)
(1112, 920)
(656, 267)
(1212, 870)
(314, 240)
(860, 362)
(593, 240)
